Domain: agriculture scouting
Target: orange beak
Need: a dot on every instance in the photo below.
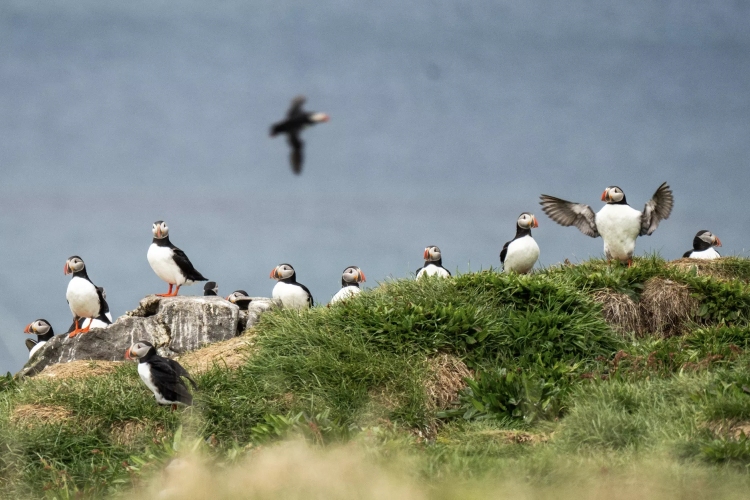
(362, 277)
(326, 118)
(604, 195)
(426, 253)
(536, 224)
(127, 354)
(27, 329)
(718, 241)
(66, 269)
(273, 274)
(158, 232)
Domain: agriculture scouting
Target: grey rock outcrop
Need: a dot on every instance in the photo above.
(174, 325)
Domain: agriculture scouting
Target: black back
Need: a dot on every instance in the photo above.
(182, 261)
(166, 375)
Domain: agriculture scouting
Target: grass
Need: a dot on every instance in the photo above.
(553, 384)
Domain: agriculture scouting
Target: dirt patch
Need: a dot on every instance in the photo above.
(79, 369)
(667, 306)
(131, 431)
(445, 380)
(729, 428)
(621, 312)
(30, 415)
(721, 269)
(227, 354)
(517, 437)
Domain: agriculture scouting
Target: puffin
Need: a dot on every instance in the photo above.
(521, 253)
(350, 280)
(293, 295)
(43, 331)
(703, 246)
(210, 289)
(85, 299)
(297, 120)
(616, 222)
(169, 262)
(240, 298)
(433, 264)
(161, 375)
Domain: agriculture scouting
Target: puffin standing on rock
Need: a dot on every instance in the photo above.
(433, 264)
(297, 120)
(161, 375)
(43, 331)
(293, 295)
(169, 262)
(521, 253)
(617, 222)
(85, 299)
(350, 280)
(240, 298)
(703, 244)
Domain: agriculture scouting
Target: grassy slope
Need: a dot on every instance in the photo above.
(547, 368)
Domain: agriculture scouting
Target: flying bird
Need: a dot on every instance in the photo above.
(162, 375)
(350, 280)
(616, 222)
(703, 246)
(521, 253)
(296, 121)
(169, 262)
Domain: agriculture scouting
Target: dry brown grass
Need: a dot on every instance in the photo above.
(79, 369)
(716, 268)
(667, 306)
(132, 431)
(30, 415)
(228, 354)
(445, 380)
(621, 312)
(729, 428)
(516, 436)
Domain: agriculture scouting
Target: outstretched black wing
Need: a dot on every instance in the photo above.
(186, 266)
(295, 108)
(657, 208)
(296, 154)
(168, 381)
(30, 343)
(567, 213)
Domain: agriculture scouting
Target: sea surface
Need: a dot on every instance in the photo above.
(448, 119)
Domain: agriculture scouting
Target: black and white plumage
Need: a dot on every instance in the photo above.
(350, 280)
(240, 298)
(433, 264)
(617, 222)
(162, 375)
(297, 120)
(521, 253)
(703, 246)
(292, 295)
(210, 289)
(169, 262)
(85, 299)
(43, 331)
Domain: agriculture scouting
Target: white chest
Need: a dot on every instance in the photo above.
(162, 262)
(82, 298)
(705, 254)
(619, 226)
(522, 255)
(432, 270)
(144, 370)
(38, 346)
(291, 296)
(345, 293)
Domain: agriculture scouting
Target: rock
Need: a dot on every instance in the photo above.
(174, 325)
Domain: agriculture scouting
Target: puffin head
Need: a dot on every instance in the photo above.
(613, 194)
(282, 272)
(319, 117)
(38, 327)
(353, 274)
(74, 264)
(139, 349)
(210, 289)
(160, 229)
(709, 238)
(432, 254)
(527, 221)
(237, 295)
